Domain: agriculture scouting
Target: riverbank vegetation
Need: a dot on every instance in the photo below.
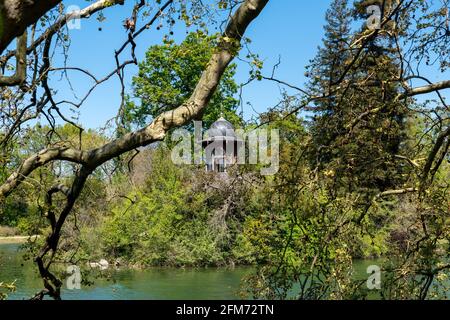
(364, 164)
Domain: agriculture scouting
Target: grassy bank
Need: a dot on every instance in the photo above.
(13, 239)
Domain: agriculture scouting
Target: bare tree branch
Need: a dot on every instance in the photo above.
(156, 130)
(433, 87)
(53, 29)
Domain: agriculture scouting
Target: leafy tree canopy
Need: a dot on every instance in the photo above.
(169, 74)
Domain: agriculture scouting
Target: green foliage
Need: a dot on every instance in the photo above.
(169, 74)
(12, 210)
(292, 231)
(358, 129)
(304, 234)
(24, 208)
(303, 227)
(6, 288)
(166, 222)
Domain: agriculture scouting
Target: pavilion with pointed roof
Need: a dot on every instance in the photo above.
(221, 146)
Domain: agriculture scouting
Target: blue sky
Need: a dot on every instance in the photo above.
(290, 30)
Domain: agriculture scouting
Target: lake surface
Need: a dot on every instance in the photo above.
(155, 283)
(150, 284)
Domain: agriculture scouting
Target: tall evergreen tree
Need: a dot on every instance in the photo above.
(322, 72)
(358, 126)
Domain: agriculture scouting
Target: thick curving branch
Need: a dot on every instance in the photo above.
(432, 87)
(17, 15)
(21, 64)
(156, 130)
(38, 160)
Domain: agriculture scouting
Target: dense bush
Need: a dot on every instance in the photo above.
(170, 220)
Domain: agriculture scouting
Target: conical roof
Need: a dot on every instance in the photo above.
(221, 128)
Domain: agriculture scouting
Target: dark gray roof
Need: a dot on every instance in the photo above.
(220, 128)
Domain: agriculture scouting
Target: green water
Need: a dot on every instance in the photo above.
(126, 284)
(155, 283)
